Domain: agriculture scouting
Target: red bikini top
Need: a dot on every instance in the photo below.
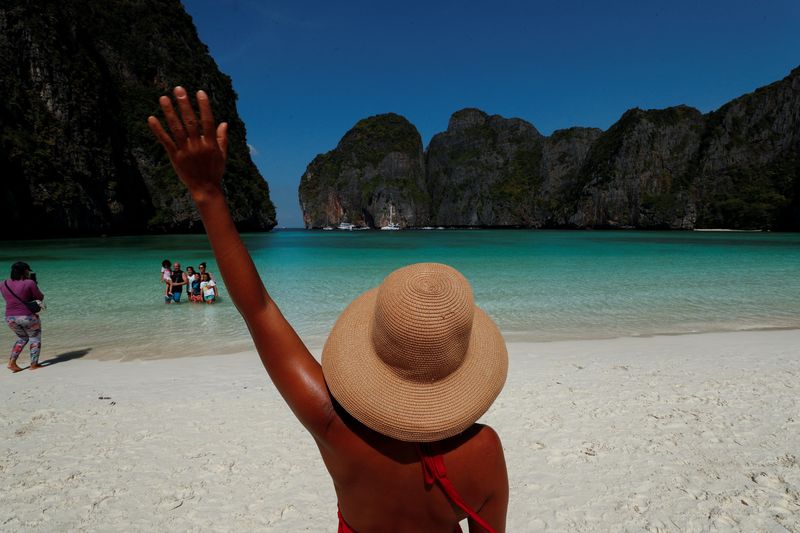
(434, 471)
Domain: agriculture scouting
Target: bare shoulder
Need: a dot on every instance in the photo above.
(477, 440)
(487, 445)
(478, 451)
(493, 475)
(488, 438)
(477, 466)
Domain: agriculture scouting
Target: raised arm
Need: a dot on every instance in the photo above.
(198, 152)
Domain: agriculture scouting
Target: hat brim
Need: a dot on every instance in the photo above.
(371, 392)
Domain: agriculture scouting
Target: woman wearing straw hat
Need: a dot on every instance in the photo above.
(408, 369)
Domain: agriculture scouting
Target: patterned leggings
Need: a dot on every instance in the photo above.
(27, 328)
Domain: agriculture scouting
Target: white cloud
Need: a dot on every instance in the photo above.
(253, 151)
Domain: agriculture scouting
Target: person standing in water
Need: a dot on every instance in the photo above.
(166, 279)
(192, 285)
(21, 288)
(208, 289)
(202, 270)
(406, 372)
(177, 280)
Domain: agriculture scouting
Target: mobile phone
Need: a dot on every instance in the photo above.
(32, 276)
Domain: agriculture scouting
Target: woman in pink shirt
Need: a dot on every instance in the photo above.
(25, 324)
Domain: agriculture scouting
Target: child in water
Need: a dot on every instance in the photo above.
(208, 288)
(195, 293)
(167, 280)
(193, 285)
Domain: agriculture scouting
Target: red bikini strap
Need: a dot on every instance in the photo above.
(343, 527)
(434, 471)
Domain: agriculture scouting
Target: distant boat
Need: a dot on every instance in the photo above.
(327, 228)
(732, 230)
(346, 226)
(361, 228)
(392, 225)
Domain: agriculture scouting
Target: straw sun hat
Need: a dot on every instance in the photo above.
(414, 358)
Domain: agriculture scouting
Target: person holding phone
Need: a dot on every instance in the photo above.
(21, 292)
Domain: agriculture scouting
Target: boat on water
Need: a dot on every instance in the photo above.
(392, 225)
(327, 228)
(346, 226)
(730, 230)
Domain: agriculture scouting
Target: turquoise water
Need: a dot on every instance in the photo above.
(103, 294)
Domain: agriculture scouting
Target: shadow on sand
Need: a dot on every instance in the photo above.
(66, 356)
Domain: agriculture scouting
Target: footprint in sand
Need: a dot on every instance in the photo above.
(36, 421)
(774, 493)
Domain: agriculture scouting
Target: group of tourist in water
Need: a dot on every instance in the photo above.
(200, 286)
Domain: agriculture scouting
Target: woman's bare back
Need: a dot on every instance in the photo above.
(361, 461)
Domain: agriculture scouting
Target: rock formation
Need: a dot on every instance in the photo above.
(637, 173)
(376, 172)
(675, 168)
(78, 80)
(484, 171)
(747, 171)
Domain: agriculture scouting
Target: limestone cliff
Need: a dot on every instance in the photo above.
(638, 173)
(77, 82)
(563, 154)
(747, 170)
(484, 171)
(375, 173)
(674, 168)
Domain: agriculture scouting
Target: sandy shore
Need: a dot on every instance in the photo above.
(683, 433)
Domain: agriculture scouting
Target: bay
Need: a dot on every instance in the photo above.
(104, 298)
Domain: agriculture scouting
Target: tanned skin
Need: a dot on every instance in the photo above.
(378, 480)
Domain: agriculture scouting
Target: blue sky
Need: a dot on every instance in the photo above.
(306, 72)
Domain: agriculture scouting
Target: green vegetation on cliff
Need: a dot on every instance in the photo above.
(374, 171)
(737, 167)
(78, 81)
(371, 139)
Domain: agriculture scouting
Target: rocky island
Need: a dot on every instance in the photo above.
(674, 168)
(78, 80)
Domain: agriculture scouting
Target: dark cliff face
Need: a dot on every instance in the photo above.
(748, 165)
(484, 171)
(563, 153)
(638, 172)
(78, 80)
(374, 174)
(674, 168)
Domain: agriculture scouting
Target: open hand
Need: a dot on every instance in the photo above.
(197, 151)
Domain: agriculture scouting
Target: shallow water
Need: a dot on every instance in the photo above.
(103, 294)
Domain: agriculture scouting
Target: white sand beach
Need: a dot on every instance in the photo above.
(673, 433)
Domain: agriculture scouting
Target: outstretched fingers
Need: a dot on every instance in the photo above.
(187, 113)
(173, 121)
(161, 135)
(206, 115)
(185, 138)
(222, 139)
